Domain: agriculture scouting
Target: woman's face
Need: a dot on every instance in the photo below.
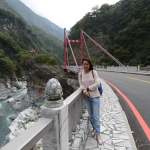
(86, 65)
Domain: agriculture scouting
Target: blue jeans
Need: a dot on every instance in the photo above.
(93, 106)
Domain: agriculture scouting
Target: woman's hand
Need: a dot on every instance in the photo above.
(84, 88)
(87, 94)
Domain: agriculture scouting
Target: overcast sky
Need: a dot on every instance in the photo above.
(64, 13)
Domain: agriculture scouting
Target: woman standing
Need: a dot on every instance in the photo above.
(89, 82)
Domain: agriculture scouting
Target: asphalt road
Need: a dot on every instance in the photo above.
(137, 89)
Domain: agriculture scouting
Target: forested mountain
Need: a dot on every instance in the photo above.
(123, 29)
(15, 28)
(53, 45)
(5, 6)
(36, 20)
(17, 38)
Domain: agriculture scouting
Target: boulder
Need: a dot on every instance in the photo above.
(17, 106)
(19, 84)
(12, 116)
(16, 84)
(20, 102)
(4, 92)
(11, 101)
(23, 121)
(74, 83)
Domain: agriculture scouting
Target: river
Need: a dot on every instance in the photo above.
(5, 111)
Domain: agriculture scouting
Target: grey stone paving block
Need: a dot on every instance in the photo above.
(118, 117)
(117, 141)
(111, 122)
(120, 148)
(79, 135)
(105, 137)
(106, 132)
(84, 124)
(76, 143)
(91, 143)
(122, 129)
(104, 149)
(110, 147)
(95, 149)
(119, 114)
(111, 126)
(116, 132)
(102, 128)
(85, 117)
(109, 142)
(121, 136)
(119, 121)
(120, 125)
(124, 144)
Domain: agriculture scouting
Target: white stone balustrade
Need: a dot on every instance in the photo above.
(65, 117)
(76, 108)
(28, 139)
(59, 120)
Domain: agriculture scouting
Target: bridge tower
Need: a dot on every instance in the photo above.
(79, 41)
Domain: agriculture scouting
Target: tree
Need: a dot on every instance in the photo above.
(95, 8)
(7, 66)
(147, 61)
(45, 59)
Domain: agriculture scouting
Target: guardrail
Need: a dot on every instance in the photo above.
(145, 69)
(119, 69)
(137, 69)
(109, 68)
(76, 108)
(28, 139)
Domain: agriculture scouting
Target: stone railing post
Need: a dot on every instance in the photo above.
(55, 108)
(138, 68)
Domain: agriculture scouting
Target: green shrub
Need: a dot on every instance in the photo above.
(45, 59)
(7, 66)
(22, 55)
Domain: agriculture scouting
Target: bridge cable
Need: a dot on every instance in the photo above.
(67, 58)
(86, 46)
(73, 54)
(119, 63)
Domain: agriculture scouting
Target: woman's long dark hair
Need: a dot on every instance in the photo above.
(89, 61)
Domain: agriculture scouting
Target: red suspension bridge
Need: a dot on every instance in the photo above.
(81, 43)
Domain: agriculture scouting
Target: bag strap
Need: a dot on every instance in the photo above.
(93, 74)
(81, 76)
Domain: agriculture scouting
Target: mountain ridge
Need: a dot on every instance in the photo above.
(36, 20)
(122, 29)
(17, 38)
(54, 46)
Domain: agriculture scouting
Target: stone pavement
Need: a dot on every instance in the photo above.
(115, 130)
